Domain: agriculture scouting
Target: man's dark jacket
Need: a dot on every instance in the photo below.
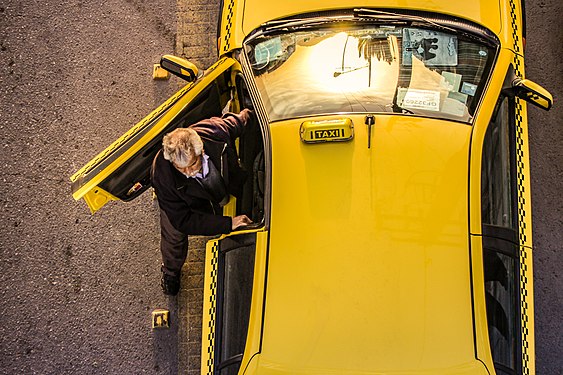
(187, 204)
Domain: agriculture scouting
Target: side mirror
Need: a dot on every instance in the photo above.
(532, 93)
(179, 67)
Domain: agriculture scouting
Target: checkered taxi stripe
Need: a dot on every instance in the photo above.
(209, 341)
(228, 26)
(521, 160)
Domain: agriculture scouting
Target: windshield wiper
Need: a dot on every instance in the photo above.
(300, 22)
(396, 17)
(379, 16)
(292, 24)
(358, 14)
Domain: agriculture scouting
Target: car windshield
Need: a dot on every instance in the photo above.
(375, 69)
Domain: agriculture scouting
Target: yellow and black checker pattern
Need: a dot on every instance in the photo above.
(229, 24)
(210, 310)
(523, 194)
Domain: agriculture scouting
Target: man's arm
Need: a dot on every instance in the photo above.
(236, 122)
(225, 129)
(189, 222)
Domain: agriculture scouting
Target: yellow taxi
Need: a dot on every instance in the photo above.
(389, 183)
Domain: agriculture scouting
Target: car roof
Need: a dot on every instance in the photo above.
(370, 272)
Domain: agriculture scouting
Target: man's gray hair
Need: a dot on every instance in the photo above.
(181, 145)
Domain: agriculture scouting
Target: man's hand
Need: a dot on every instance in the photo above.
(239, 221)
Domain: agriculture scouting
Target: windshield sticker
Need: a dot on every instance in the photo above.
(432, 47)
(468, 88)
(267, 51)
(462, 98)
(454, 107)
(421, 99)
(453, 81)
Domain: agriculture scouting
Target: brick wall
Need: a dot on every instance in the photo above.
(196, 38)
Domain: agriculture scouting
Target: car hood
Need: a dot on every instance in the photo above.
(256, 12)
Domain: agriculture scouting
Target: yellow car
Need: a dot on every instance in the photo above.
(389, 180)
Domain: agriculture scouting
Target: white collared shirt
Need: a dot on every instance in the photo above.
(204, 168)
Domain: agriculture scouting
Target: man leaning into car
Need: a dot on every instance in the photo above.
(193, 176)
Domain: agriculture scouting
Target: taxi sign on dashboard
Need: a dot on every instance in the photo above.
(335, 130)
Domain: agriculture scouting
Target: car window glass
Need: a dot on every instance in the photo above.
(373, 69)
(236, 272)
(501, 301)
(496, 173)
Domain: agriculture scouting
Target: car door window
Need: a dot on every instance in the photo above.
(497, 173)
(234, 294)
(500, 240)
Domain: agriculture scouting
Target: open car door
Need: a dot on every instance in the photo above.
(122, 171)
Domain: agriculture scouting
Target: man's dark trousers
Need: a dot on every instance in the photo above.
(173, 246)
